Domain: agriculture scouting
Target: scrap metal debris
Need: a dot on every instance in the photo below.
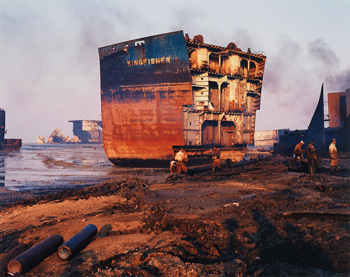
(58, 137)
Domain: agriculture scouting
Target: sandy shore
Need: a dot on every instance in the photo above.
(254, 220)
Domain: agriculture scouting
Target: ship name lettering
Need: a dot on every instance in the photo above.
(149, 61)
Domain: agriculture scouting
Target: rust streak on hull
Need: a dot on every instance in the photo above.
(148, 128)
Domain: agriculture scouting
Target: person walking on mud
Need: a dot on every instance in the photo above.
(333, 156)
(181, 159)
(311, 156)
(216, 159)
(298, 153)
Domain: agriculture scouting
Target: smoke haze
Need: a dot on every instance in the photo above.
(292, 83)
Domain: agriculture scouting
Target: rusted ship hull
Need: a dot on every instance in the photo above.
(7, 144)
(11, 144)
(142, 104)
(150, 104)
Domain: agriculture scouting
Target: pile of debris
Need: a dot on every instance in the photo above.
(57, 137)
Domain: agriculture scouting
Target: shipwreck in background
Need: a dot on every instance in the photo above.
(58, 137)
(168, 91)
(84, 131)
(7, 144)
(87, 131)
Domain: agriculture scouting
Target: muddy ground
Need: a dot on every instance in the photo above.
(258, 219)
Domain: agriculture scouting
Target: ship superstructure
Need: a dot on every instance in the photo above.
(168, 91)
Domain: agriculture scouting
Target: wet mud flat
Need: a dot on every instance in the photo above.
(38, 170)
(258, 219)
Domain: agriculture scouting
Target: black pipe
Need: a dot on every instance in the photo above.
(33, 256)
(4, 260)
(78, 242)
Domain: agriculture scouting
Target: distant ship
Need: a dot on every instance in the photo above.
(7, 144)
(166, 92)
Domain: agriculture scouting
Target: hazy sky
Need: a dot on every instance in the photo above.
(49, 64)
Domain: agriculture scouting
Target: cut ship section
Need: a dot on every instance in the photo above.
(168, 91)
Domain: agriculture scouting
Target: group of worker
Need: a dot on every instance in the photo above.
(178, 165)
(312, 158)
(181, 158)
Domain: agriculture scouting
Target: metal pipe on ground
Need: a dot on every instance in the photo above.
(78, 242)
(4, 259)
(34, 255)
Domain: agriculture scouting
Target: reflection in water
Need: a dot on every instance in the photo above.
(50, 168)
(42, 169)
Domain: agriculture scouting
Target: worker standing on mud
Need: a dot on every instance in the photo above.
(216, 158)
(298, 153)
(333, 156)
(181, 159)
(311, 156)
